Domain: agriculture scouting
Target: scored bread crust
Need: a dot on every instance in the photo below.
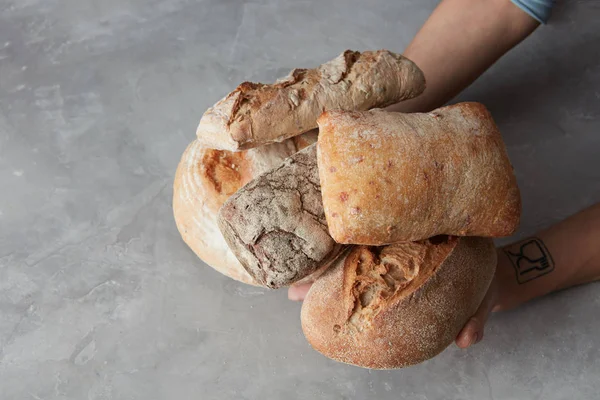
(398, 305)
(205, 179)
(255, 114)
(388, 177)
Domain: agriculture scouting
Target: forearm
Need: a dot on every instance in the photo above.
(565, 255)
(460, 40)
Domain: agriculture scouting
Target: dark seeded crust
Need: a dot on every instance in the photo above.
(398, 305)
(275, 225)
(255, 114)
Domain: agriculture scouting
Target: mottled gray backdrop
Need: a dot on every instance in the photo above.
(100, 298)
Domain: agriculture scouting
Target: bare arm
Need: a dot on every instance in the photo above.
(460, 41)
(565, 255)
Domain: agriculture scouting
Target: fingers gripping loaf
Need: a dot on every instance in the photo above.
(205, 178)
(255, 114)
(275, 225)
(398, 305)
(390, 177)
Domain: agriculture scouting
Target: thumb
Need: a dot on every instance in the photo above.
(472, 332)
(298, 292)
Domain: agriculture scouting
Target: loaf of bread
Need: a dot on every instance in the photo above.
(205, 178)
(397, 305)
(275, 225)
(255, 114)
(391, 177)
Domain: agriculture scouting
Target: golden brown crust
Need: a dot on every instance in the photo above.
(224, 171)
(255, 114)
(205, 179)
(398, 305)
(391, 177)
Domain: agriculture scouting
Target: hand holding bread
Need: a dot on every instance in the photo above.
(424, 188)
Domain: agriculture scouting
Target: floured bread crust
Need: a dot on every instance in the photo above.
(275, 225)
(390, 177)
(255, 114)
(397, 305)
(205, 178)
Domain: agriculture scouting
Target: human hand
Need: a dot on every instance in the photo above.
(470, 334)
(298, 292)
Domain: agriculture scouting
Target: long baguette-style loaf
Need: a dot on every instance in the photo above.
(275, 225)
(205, 179)
(398, 305)
(255, 114)
(391, 177)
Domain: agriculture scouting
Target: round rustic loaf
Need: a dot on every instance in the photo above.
(205, 178)
(397, 305)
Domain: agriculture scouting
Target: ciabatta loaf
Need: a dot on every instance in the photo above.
(389, 177)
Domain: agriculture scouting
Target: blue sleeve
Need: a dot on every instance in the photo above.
(538, 9)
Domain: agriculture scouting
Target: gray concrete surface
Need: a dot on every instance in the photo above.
(99, 297)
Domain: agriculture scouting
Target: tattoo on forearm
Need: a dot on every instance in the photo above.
(530, 259)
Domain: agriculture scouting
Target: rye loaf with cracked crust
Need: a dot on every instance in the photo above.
(275, 225)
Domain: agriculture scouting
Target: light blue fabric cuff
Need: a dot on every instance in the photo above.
(538, 9)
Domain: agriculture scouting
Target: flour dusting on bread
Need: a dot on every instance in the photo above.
(397, 305)
(255, 114)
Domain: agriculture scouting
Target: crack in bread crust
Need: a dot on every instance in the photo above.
(255, 114)
(276, 224)
(378, 276)
(419, 319)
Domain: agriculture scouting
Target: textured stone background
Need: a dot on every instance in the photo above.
(100, 298)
